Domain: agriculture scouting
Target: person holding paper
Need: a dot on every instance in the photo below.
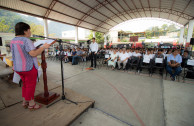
(158, 60)
(24, 55)
(174, 61)
(146, 60)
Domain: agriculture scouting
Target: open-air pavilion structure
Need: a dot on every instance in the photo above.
(102, 15)
(122, 98)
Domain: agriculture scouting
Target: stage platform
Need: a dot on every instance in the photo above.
(63, 113)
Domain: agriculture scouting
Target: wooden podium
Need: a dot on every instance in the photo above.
(46, 97)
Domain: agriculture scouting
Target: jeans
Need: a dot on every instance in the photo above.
(177, 70)
(73, 59)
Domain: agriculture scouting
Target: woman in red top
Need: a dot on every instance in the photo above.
(25, 62)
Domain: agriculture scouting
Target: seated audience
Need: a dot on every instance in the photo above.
(185, 57)
(112, 59)
(73, 53)
(174, 61)
(77, 56)
(123, 58)
(67, 56)
(159, 54)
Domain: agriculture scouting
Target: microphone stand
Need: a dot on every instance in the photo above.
(62, 77)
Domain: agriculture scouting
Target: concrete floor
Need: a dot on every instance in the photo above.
(123, 98)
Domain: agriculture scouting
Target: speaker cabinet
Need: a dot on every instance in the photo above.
(1, 43)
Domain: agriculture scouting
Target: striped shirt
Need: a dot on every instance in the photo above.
(20, 48)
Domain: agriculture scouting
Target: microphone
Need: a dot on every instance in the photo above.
(38, 36)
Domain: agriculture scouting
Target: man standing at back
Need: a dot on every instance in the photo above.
(93, 50)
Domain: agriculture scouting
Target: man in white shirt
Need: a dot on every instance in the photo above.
(123, 58)
(130, 54)
(136, 53)
(93, 51)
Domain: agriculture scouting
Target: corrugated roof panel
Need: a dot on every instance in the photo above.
(145, 3)
(92, 20)
(101, 0)
(182, 21)
(66, 10)
(111, 8)
(148, 13)
(154, 3)
(142, 14)
(128, 16)
(131, 14)
(117, 6)
(91, 3)
(155, 14)
(180, 5)
(117, 19)
(108, 13)
(173, 17)
(130, 4)
(164, 15)
(122, 17)
(22, 6)
(166, 4)
(103, 30)
(122, 3)
(98, 15)
(112, 22)
(87, 25)
(76, 4)
(44, 3)
(106, 26)
(137, 3)
(62, 18)
(138, 15)
(190, 9)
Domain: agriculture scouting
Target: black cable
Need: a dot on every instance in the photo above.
(78, 102)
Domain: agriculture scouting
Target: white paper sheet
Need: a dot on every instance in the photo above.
(16, 78)
(159, 60)
(190, 62)
(39, 71)
(48, 41)
(107, 56)
(146, 60)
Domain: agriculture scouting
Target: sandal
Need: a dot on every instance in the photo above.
(33, 107)
(25, 105)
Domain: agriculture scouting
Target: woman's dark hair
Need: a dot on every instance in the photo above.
(20, 28)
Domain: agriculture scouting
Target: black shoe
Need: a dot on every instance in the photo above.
(172, 78)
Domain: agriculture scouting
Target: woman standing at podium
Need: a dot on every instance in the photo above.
(25, 62)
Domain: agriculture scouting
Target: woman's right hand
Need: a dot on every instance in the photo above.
(46, 46)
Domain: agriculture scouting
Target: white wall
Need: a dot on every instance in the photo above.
(82, 33)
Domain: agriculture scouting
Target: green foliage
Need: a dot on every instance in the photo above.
(36, 29)
(3, 26)
(99, 37)
(156, 31)
(9, 19)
